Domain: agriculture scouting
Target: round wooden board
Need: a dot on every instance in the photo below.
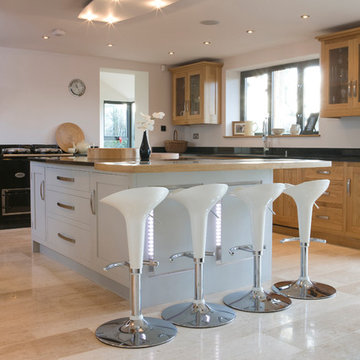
(67, 135)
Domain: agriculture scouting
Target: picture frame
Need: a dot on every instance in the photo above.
(238, 128)
(310, 124)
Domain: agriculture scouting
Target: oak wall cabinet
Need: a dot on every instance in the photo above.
(340, 54)
(196, 94)
(337, 219)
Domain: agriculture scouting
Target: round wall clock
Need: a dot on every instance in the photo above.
(77, 87)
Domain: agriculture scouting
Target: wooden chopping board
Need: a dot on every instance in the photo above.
(68, 134)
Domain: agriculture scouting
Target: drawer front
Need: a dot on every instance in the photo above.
(68, 179)
(336, 172)
(328, 218)
(73, 207)
(69, 240)
(333, 195)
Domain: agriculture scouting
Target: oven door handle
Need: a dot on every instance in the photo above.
(42, 190)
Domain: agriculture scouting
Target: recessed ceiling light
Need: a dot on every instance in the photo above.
(90, 16)
(209, 22)
(45, 37)
(110, 45)
(207, 42)
(171, 52)
(250, 31)
(111, 19)
(158, 4)
(305, 16)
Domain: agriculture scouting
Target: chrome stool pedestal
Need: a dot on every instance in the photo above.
(303, 288)
(198, 200)
(135, 331)
(198, 314)
(256, 300)
(257, 198)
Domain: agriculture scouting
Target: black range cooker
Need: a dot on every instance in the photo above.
(15, 182)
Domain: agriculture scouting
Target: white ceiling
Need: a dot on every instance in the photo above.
(148, 38)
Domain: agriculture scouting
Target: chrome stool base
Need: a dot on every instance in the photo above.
(257, 301)
(198, 315)
(126, 333)
(304, 289)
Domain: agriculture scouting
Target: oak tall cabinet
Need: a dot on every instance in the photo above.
(196, 93)
(340, 61)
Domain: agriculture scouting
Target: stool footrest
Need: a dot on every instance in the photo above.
(127, 264)
(189, 254)
(248, 248)
(298, 239)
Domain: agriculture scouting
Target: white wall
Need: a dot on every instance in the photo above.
(34, 96)
(340, 133)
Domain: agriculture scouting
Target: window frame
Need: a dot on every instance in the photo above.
(300, 65)
(128, 123)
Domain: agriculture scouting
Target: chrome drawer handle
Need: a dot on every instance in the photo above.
(64, 206)
(42, 188)
(61, 236)
(62, 178)
(349, 88)
(323, 217)
(92, 202)
(326, 193)
(324, 172)
(354, 88)
(348, 186)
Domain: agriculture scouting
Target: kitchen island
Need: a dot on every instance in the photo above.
(71, 225)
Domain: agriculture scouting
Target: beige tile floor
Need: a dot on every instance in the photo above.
(49, 312)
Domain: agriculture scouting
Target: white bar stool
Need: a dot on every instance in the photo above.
(136, 331)
(257, 198)
(305, 195)
(198, 201)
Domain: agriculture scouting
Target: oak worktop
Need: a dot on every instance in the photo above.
(191, 164)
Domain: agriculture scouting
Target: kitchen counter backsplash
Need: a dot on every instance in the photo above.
(332, 154)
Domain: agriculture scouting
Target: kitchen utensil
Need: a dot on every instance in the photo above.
(68, 134)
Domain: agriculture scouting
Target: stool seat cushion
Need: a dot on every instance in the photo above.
(258, 198)
(135, 205)
(199, 200)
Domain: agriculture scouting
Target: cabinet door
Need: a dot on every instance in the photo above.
(284, 206)
(356, 77)
(353, 198)
(108, 227)
(195, 100)
(180, 103)
(37, 184)
(336, 88)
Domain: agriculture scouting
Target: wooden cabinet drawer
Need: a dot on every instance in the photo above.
(73, 207)
(328, 218)
(335, 172)
(68, 179)
(333, 195)
(69, 240)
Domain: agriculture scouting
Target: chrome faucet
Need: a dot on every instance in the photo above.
(265, 136)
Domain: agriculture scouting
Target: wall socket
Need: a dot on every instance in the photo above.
(196, 136)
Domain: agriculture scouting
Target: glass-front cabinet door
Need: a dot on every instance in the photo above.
(179, 99)
(194, 106)
(336, 86)
(356, 76)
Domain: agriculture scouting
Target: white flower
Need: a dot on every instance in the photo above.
(147, 121)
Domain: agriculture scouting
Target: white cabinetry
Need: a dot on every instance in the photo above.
(69, 213)
(108, 227)
(37, 184)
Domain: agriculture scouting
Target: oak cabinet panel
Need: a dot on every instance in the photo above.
(196, 94)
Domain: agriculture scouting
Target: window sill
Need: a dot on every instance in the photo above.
(273, 136)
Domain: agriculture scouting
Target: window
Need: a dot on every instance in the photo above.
(118, 124)
(280, 96)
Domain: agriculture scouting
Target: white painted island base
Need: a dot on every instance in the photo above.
(70, 225)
